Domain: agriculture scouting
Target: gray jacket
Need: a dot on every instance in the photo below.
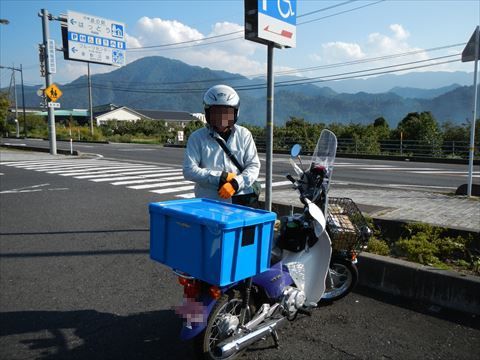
(205, 160)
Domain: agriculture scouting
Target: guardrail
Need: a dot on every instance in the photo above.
(413, 148)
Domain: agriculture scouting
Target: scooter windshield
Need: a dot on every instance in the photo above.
(325, 151)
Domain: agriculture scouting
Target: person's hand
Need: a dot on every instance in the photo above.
(228, 189)
(226, 177)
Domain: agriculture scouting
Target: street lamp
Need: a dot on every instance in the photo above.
(4, 22)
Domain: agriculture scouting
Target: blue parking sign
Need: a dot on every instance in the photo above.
(283, 10)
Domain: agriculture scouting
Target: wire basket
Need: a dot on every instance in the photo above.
(345, 224)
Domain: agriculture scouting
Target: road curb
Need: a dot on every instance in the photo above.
(413, 281)
(38, 149)
(418, 282)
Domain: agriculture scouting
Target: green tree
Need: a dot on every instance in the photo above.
(4, 104)
(424, 128)
(192, 126)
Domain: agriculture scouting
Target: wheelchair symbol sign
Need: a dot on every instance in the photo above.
(283, 10)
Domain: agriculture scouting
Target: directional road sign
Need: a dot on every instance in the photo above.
(468, 53)
(271, 20)
(95, 39)
(53, 92)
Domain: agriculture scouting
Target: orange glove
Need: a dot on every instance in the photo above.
(226, 191)
(226, 177)
(230, 176)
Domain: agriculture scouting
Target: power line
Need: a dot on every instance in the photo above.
(139, 48)
(339, 13)
(341, 76)
(299, 70)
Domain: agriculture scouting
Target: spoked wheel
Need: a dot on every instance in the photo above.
(342, 278)
(222, 322)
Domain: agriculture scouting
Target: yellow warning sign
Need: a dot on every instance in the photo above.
(53, 92)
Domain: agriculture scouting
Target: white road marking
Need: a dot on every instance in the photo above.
(78, 170)
(396, 169)
(172, 190)
(187, 196)
(107, 172)
(158, 174)
(158, 185)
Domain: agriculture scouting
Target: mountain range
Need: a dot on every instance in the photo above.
(161, 83)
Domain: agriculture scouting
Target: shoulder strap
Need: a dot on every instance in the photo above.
(229, 153)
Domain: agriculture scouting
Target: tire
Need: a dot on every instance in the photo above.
(344, 276)
(206, 341)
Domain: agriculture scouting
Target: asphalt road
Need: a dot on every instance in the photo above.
(437, 177)
(76, 282)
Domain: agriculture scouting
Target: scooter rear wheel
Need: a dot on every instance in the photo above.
(221, 322)
(344, 276)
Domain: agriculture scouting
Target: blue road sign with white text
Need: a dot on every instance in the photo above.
(283, 10)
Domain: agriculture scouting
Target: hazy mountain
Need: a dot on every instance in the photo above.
(420, 80)
(415, 93)
(161, 83)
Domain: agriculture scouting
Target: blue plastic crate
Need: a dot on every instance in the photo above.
(213, 241)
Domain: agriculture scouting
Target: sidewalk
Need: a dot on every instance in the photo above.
(457, 212)
(20, 155)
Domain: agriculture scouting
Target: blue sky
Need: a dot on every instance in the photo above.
(382, 28)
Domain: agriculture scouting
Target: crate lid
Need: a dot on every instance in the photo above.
(212, 212)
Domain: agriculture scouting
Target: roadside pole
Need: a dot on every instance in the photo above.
(15, 94)
(48, 81)
(269, 129)
(270, 23)
(90, 110)
(474, 119)
(23, 104)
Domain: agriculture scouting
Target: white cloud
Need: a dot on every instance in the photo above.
(230, 53)
(375, 45)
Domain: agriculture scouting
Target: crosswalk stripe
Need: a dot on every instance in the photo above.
(157, 185)
(115, 172)
(83, 170)
(172, 190)
(186, 196)
(133, 177)
(42, 164)
(60, 167)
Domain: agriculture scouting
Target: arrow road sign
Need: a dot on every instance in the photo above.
(94, 39)
(271, 21)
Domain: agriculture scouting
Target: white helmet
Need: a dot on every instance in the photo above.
(221, 95)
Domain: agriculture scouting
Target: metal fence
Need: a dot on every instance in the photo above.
(445, 149)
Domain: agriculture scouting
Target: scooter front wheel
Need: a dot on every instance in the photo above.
(222, 322)
(340, 281)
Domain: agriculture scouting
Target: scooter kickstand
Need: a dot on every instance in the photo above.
(275, 338)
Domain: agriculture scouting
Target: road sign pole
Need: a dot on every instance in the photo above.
(90, 107)
(48, 81)
(23, 104)
(472, 125)
(269, 129)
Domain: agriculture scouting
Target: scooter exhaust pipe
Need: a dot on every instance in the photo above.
(231, 346)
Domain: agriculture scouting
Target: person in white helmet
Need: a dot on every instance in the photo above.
(215, 174)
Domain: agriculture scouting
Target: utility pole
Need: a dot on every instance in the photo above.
(90, 106)
(48, 81)
(23, 93)
(269, 128)
(15, 94)
(23, 104)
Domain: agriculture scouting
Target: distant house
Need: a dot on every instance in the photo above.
(107, 112)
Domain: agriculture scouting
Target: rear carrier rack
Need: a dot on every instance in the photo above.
(344, 225)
